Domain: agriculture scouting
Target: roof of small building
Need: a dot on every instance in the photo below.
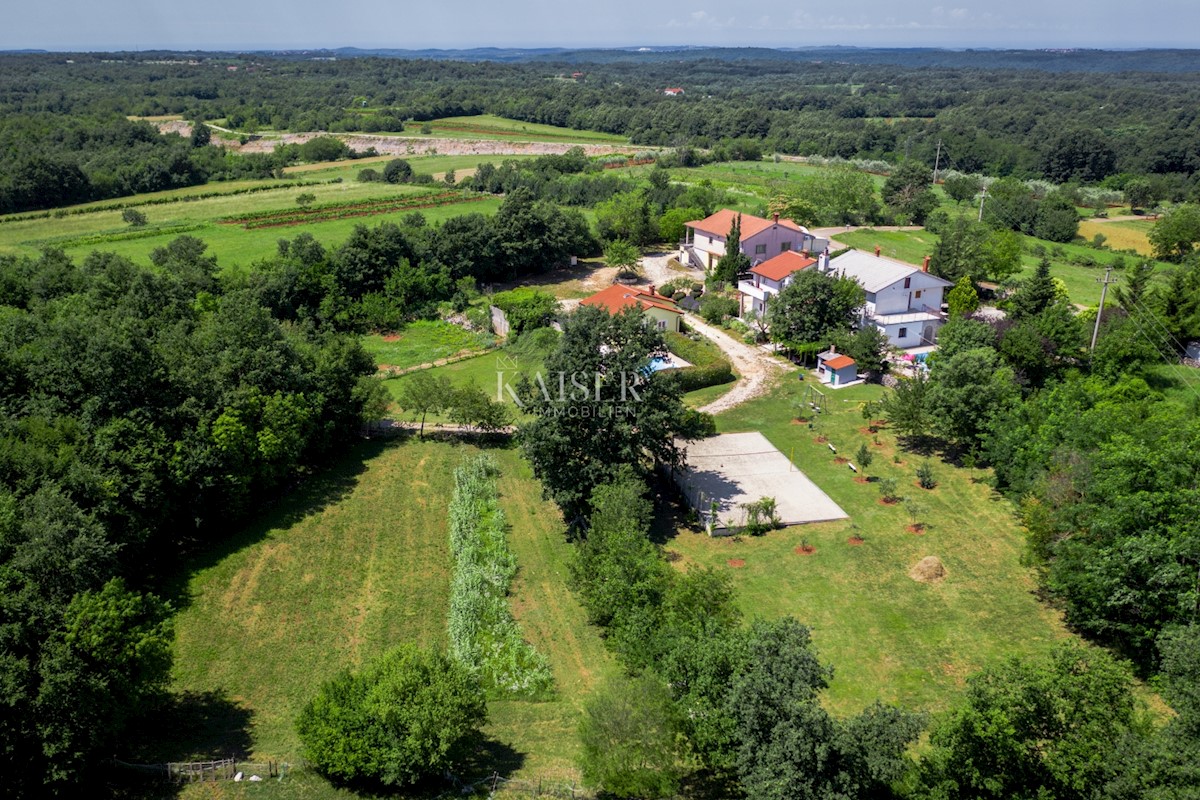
(837, 362)
(876, 273)
(782, 265)
(617, 298)
(720, 223)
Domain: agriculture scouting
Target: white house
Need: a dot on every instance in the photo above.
(903, 301)
(768, 279)
(761, 239)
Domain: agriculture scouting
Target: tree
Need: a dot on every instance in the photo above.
(1045, 728)
(200, 135)
(864, 456)
(734, 262)
(449, 178)
(1056, 219)
(868, 346)
(959, 251)
(1036, 294)
(1010, 206)
(405, 716)
(133, 217)
(626, 216)
(595, 408)
(1078, 154)
(672, 224)
(1139, 193)
(813, 307)
(960, 187)
(305, 199)
(716, 307)
(1176, 233)
(907, 407)
(526, 309)
(789, 746)
(962, 299)
(966, 391)
(1132, 293)
(398, 171)
(627, 738)
(422, 392)
(908, 191)
(624, 256)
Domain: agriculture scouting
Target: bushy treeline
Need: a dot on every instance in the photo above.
(381, 277)
(1060, 126)
(142, 413)
(484, 636)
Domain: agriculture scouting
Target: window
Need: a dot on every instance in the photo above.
(662, 324)
(907, 282)
(783, 248)
(760, 249)
(918, 294)
(903, 334)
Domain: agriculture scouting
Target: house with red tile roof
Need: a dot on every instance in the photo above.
(672, 91)
(768, 279)
(761, 239)
(660, 311)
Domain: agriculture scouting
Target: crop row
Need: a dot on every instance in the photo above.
(334, 211)
(484, 637)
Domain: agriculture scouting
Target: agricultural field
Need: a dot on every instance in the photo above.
(355, 562)
(488, 126)
(237, 222)
(887, 635)
(1120, 234)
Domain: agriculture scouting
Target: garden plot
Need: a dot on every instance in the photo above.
(734, 469)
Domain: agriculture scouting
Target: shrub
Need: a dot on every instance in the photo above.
(526, 308)
(887, 490)
(133, 217)
(925, 476)
(715, 308)
(484, 637)
(761, 516)
(403, 717)
(864, 456)
(369, 175)
(628, 740)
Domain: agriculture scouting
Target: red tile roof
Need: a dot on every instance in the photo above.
(837, 362)
(782, 265)
(616, 298)
(720, 223)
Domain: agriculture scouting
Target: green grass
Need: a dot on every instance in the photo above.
(423, 342)
(887, 636)
(234, 246)
(354, 563)
(488, 126)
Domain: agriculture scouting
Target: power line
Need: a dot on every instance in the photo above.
(1176, 370)
(1106, 280)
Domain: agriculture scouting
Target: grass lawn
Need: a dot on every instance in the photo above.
(886, 635)
(422, 342)
(354, 563)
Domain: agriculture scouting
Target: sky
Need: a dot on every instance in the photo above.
(300, 24)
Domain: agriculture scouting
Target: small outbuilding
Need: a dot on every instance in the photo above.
(836, 369)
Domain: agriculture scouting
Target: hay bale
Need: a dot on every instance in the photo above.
(928, 570)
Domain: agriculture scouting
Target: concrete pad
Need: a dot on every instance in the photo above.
(738, 468)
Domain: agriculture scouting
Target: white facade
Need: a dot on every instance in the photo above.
(901, 300)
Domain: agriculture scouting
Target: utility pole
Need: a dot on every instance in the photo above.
(982, 197)
(936, 161)
(1106, 280)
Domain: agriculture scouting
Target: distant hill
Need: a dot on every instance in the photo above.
(1064, 60)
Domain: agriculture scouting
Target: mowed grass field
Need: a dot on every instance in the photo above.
(423, 342)
(355, 563)
(488, 126)
(887, 636)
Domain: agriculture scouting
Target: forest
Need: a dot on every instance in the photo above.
(65, 137)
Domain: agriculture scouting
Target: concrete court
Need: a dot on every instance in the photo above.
(738, 468)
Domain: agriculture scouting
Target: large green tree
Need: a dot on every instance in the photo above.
(596, 407)
(908, 191)
(629, 747)
(1176, 234)
(814, 307)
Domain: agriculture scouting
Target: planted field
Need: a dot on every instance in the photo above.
(337, 211)
(1120, 234)
(351, 565)
(888, 635)
(487, 126)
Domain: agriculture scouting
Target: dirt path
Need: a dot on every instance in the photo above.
(759, 372)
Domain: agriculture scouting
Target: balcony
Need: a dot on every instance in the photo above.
(748, 288)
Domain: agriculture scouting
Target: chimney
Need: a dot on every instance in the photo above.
(776, 217)
(833, 349)
(823, 262)
(925, 265)
(652, 292)
(878, 250)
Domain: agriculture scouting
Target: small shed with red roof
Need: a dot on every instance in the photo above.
(836, 369)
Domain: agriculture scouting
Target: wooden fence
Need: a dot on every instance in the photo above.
(225, 769)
